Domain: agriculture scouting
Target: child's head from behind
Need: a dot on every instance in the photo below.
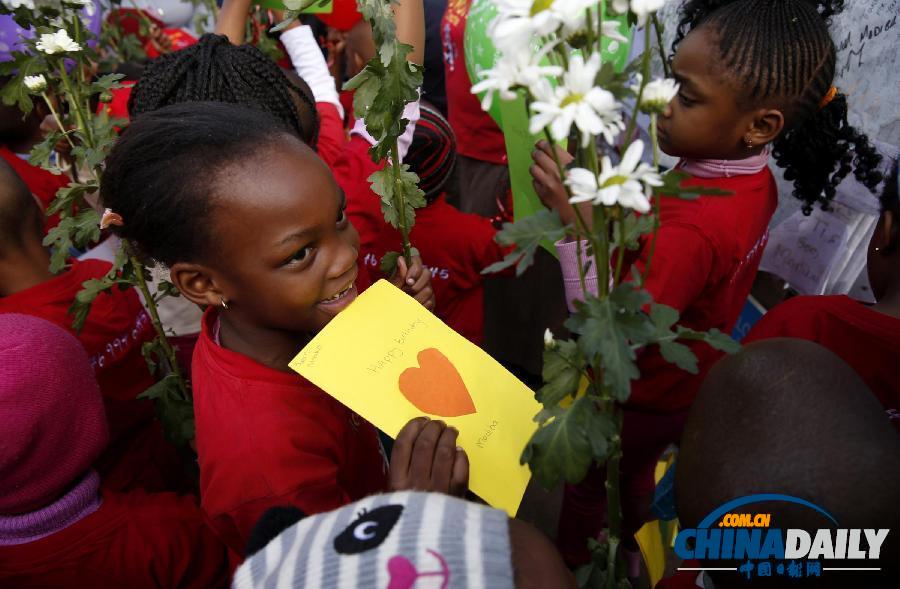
(54, 426)
(884, 247)
(216, 70)
(755, 73)
(245, 214)
(21, 220)
(432, 153)
(394, 540)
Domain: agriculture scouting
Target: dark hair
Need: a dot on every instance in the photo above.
(781, 50)
(216, 70)
(20, 214)
(161, 175)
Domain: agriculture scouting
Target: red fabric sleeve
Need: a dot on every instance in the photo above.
(332, 140)
(681, 267)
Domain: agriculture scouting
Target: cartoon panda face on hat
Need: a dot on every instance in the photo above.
(405, 540)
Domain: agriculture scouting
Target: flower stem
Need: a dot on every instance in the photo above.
(400, 203)
(167, 348)
(645, 77)
(57, 119)
(75, 103)
(659, 42)
(654, 139)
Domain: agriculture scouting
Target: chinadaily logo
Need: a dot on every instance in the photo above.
(731, 533)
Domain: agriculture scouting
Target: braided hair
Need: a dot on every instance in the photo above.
(164, 173)
(216, 70)
(781, 51)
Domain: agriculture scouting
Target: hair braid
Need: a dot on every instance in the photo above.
(781, 52)
(216, 70)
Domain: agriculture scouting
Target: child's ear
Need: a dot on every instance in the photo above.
(766, 126)
(195, 283)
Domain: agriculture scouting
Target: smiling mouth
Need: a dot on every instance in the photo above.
(339, 295)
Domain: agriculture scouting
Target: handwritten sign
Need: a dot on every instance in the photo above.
(390, 360)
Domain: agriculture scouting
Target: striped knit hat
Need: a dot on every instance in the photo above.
(432, 153)
(393, 541)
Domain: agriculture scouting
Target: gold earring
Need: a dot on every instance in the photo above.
(224, 304)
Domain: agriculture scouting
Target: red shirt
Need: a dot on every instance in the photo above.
(43, 184)
(267, 438)
(477, 135)
(455, 247)
(865, 339)
(112, 335)
(706, 257)
(134, 540)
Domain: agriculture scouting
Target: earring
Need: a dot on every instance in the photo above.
(224, 304)
(877, 250)
(748, 142)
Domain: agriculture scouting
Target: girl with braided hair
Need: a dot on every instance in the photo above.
(755, 77)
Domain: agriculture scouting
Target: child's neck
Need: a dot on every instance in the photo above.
(22, 270)
(889, 304)
(270, 347)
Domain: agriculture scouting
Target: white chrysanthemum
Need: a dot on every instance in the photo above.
(13, 4)
(641, 8)
(519, 22)
(511, 71)
(58, 42)
(629, 184)
(657, 94)
(549, 342)
(577, 100)
(35, 84)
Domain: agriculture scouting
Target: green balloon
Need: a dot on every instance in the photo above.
(481, 54)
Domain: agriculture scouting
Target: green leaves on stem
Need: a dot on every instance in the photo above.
(526, 235)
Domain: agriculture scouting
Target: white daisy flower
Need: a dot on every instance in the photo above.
(35, 84)
(629, 184)
(641, 8)
(512, 71)
(58, 42)
(577, 100)
(657, 94)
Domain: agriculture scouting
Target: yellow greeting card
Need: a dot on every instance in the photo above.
(390, 360)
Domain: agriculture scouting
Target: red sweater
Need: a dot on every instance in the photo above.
(456, 247)
(867, 340)
(115, 330)
(40, 182)
(267, 438)
(706, 257)
(477, 135)
(134, 540)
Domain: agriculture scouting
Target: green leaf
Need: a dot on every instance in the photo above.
(84, 298)
(393, 191)
(663, 316)
(105, 83)
(289, 17)
(680, 355)
(714, 338)
(560, 448)
(526, 234)
(389, 263)
(673, 186)
(71, 197)
(174, 409)
(563, 367)
(634, 227)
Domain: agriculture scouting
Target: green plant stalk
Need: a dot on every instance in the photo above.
(657, 198)
(400, 203)
(73, 100)
(659, 43)
(168, 350)
(82, 101)
(620, 247)
(57, 119)
(645, 75)
(613, 510)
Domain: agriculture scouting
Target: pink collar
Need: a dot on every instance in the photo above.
(725, 168)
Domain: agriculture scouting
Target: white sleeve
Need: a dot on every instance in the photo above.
(309, 63)
(410, 113)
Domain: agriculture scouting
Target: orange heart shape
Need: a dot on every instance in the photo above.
(435, 386)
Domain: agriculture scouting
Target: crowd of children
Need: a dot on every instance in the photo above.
(244, 182)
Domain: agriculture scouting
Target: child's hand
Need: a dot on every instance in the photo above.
(415, 280)
(549, 185)
(425, 458)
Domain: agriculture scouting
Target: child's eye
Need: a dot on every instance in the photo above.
(301, 256)
(685, 100)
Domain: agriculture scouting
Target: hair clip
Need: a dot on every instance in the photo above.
(829, 96)
(110, 218)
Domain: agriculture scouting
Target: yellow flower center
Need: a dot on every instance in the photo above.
(572, 98)
(540, 6)
(614, 180)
